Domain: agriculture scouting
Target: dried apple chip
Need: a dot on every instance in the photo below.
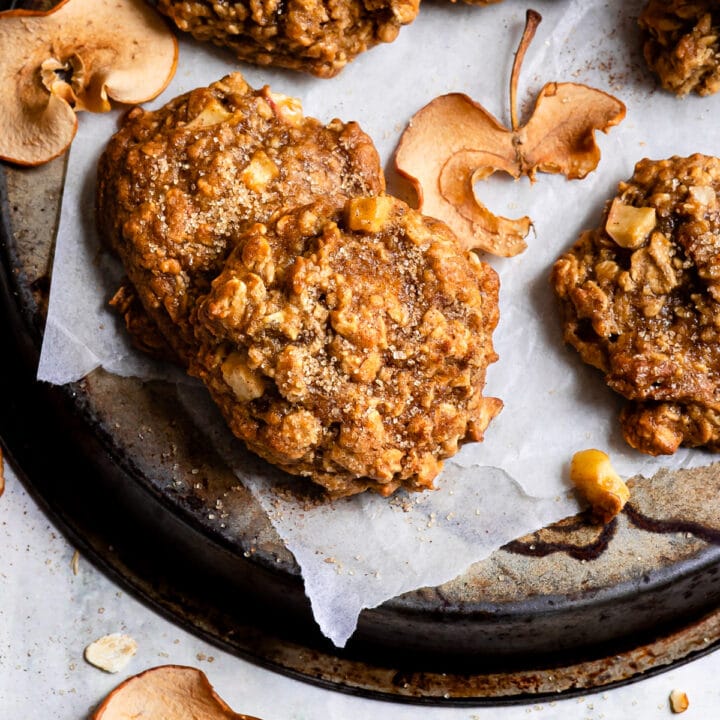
(453, 142)
(167, 691)
(75, 57)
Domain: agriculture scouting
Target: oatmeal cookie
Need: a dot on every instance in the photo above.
(682, 44)
(178, 186)
(349, 343)
(640, 300)
(319, 37)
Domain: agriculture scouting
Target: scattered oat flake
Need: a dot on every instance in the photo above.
(679, 701)
(111, 652)
(75, 563)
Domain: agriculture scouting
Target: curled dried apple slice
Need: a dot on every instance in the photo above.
(167, 691)
(78, 56)
(453, 142)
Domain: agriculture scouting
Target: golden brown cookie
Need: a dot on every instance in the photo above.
(319, 37)
(349, 343)
(640, 300)
(178, 186)
(682, 44)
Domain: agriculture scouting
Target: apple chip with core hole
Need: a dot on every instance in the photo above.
(75, 57)
(453, 142)
(167, 691)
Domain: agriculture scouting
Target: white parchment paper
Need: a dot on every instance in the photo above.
(359, 552)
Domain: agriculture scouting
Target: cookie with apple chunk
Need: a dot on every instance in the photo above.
(179, 185)
(640, 300)
(348, 342)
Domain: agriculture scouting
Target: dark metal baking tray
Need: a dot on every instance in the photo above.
(117, 465)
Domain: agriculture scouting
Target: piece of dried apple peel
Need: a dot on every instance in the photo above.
(453, 142)
(166, 692)
(77, 56)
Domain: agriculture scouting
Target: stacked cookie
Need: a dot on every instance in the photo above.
(344, 336)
